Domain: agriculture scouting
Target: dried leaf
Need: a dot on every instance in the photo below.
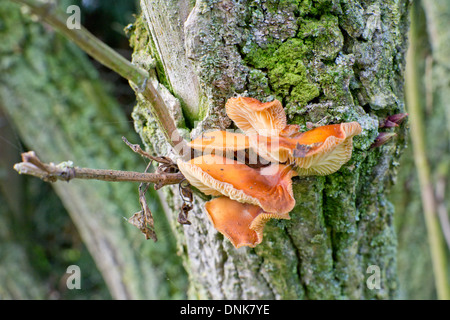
(183, 215)
(145, 225)
(143, 219)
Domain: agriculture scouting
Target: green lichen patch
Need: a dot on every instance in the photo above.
(318, 7)
(323, 36)
(276, 5)
(286, 71)
(352, 19)
(305, 67)
(258, 83)
(334, 78)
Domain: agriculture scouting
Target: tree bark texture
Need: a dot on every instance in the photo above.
(61, 110)
(328, 62)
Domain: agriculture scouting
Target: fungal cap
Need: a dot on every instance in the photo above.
(320, 151)
(289, 130)
(272, 148)
(242, 223)
(255, 117)
(269, 187)
(325, 149)
(220, 140)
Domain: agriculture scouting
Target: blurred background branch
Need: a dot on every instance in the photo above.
(420, 197)
(415, 109)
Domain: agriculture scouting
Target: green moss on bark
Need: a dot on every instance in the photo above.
(286, 71)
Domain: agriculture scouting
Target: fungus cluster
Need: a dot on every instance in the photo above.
(251, 172)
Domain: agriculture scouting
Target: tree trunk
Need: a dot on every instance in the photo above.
(328, 62)
(62, 111)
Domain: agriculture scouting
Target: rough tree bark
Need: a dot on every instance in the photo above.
(328, 61)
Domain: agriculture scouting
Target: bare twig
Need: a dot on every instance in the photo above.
(65, 171)
(186, 193)
(166, 165)
(143, 219)
(162, 160)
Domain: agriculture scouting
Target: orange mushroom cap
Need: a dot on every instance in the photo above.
(271, 148)
(274, 148)
(319, 151)
(289, 130)
(220, 140)
(252, 196)
(255, 117)
(241, 223)
(269, 187)
(325, 149)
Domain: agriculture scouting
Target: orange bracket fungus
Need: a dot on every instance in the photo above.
(322, 150)
(241, 223)
(269, 187)
(255, 117)
(223, 141)
(249, 196)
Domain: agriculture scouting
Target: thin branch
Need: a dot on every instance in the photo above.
(165, 120)
(65, 171)
(137, 148)
(436, 243)
(114, 61)
(442, 209)
(87, 41)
